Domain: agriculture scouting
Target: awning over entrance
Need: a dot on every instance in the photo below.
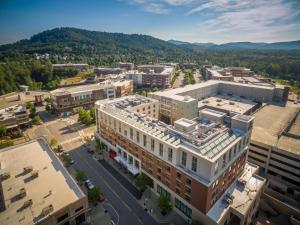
(130, 167)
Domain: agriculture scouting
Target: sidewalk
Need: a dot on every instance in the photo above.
(149, 199)
(149, 203)
(98, 216)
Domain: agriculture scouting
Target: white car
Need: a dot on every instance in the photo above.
(89, 184)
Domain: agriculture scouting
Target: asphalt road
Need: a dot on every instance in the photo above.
(123, 203)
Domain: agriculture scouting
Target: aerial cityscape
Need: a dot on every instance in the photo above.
(150, 112)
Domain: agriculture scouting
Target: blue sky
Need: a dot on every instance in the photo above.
(216, 21)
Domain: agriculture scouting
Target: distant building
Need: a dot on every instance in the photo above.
(84, 96)
(275, 148)
(37, 189)
(152, 76)
(14, 117)
(125, 66)
(190, 66)
(79, 67)
(103, 71)
(231, 97)
(239, 71)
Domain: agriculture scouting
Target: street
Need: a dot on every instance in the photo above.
(127, 208)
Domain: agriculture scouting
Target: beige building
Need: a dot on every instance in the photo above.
(199, 164)
(37, 189)
(183, 102)
(275, 147)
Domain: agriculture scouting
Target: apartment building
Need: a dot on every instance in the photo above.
(104, 71)
(27, 197)
(199, 164)
(15, 116)
(152, 75)
(275, 148)
(84, 96)
(186, 101)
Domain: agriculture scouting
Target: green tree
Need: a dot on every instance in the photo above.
(3, 131)
(93, 194)
(53, 142)
(142, 181)
(80, 176)
(164, 204)
(36, 119)
(144, 93)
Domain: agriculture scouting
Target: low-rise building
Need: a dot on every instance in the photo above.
(14, 117)
(199, 164)
(37, 189)
(84, 96)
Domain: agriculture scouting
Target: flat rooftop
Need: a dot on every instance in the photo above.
(207, 139)
(171, 93)
(228, 103)
(128, 102)
(79, 88)
(53, 186)
(238, 197)
(269, 123)
(9, 112)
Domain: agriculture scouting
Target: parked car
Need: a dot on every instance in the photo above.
(72, 161)
(66, 153)
(101, 197)
(89, 185)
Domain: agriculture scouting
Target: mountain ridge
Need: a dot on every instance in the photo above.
(287, 45)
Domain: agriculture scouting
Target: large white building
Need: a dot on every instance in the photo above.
(199, 164)
(184, 102)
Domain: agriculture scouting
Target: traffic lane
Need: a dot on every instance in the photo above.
(83, 161)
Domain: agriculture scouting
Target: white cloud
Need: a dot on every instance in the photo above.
(253, 20)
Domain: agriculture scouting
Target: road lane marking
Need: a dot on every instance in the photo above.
(110, 188)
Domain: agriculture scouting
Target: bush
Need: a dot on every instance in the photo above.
(53, 142)
(93, 194)
(36, 119)
(16, 134)
(3, 131)
(6, 143)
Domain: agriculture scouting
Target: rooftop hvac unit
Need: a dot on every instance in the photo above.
(27, 203)
(35, 174)
(22, 193)
(47, 210)
(27, 169)
(4, 176)
(241, 182)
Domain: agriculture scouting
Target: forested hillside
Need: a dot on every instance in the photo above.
(19, 64)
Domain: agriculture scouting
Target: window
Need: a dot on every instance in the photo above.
(188, 181)
(163, 192)
(63, 217)
(78, 209)
(178, 175)
(161, 149)
(170, 154)
(138, 137)
(194, 164)
(120, 129)
(183, 208)
(125, 132)
(230, 152)
(115, 125)
(145, 140)
(131, 133)
(152, 144)
(183, 158)
(125, 155)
